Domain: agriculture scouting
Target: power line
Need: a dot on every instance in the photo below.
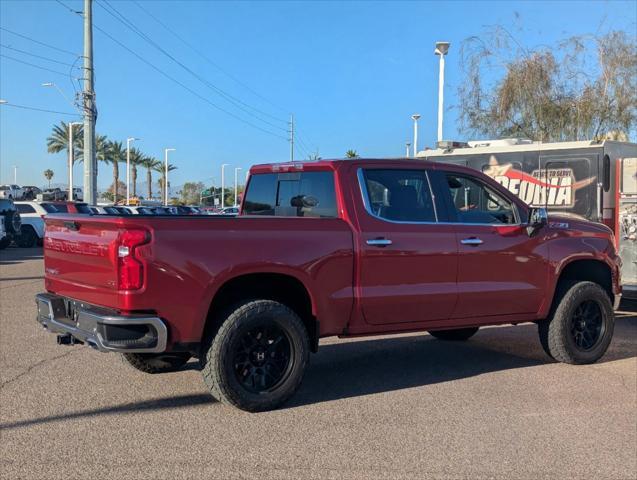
(201, 97)
(34, 55)
(38, 42)
(32, 64)
(7, 104)
(237, 102)
(207, 59)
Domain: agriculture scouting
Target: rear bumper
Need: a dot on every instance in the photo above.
(100, 328)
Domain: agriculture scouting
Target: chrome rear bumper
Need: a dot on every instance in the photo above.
(100, 328)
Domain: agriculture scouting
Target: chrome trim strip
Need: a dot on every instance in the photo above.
(368, 209)
(379, 242)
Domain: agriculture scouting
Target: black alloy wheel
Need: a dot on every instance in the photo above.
(587, 325)
(262, 358)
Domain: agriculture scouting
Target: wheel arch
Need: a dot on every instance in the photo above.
(587, 269)
(281, 287)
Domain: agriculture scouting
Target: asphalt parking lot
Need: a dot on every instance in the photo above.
(405, 406)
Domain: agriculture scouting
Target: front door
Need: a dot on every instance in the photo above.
(501, 270)
(407, 260)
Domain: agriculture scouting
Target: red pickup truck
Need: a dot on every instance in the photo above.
(343, 247)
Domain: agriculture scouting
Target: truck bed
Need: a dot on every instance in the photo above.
(187, 258)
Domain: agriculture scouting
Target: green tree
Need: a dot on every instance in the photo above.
(581, 88)
(115, 153)
(150, 164)
(136, 158)
(59, 140)
(191, 192)
(162, 181)
(48, 174)
(351, 154)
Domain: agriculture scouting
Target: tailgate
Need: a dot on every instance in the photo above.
(80, 258)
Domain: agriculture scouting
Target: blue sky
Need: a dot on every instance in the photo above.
(352, 73)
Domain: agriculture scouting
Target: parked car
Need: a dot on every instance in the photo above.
(345, 247)
(52, 195)
(4, 239)
(67, 207)
(32, 229)
(228, 211)
(30, 192)
(78, 194)
(13, 192)
(12, 221)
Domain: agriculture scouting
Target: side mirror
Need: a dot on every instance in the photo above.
(538, 218)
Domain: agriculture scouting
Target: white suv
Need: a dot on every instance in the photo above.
(13, 192)
(32, 230)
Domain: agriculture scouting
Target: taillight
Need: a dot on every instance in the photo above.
(130, 267)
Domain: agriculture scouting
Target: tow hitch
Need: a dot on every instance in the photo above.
(68, 339)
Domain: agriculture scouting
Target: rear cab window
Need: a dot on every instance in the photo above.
(291, 194)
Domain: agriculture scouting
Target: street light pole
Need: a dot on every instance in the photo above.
(166, 150)
(223, 183)
(407, 145)
(441, 49)
(71, 158)
(415, 118)
(236, 171)
(15, 174)
(128, 142)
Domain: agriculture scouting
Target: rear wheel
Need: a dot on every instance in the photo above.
(156, 362)
(257, 358)
(28, 238)
(458, 335)
(581, 325)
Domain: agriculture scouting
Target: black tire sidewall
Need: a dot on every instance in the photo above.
(27, 238)
(269, 312)
(575, 296)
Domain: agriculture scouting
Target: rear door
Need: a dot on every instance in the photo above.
(501, 270)
(407, 260)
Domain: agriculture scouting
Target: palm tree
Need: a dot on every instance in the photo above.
(115, 153)
(150, 163)
(59, 140)
(136, 157)
(351, 154)
(48, 174)
(162, 181)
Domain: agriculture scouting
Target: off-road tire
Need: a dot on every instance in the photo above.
(457, 335)
(156, 362)
(28, 238)
(218, 354)
(556, 332)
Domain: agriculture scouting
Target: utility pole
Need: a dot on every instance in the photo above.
(291, 137)
(90, 164)
(71, 158)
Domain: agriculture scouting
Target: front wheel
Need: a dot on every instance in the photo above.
(581, 326)
(257, 358)
(458, 335)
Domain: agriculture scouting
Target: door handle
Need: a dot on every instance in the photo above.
(474, 241)
(379, 242)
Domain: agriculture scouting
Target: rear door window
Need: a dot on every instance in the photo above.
(399, 195)
(306, 194)
(25, 208)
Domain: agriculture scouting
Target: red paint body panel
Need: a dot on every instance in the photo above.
(426, 279)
